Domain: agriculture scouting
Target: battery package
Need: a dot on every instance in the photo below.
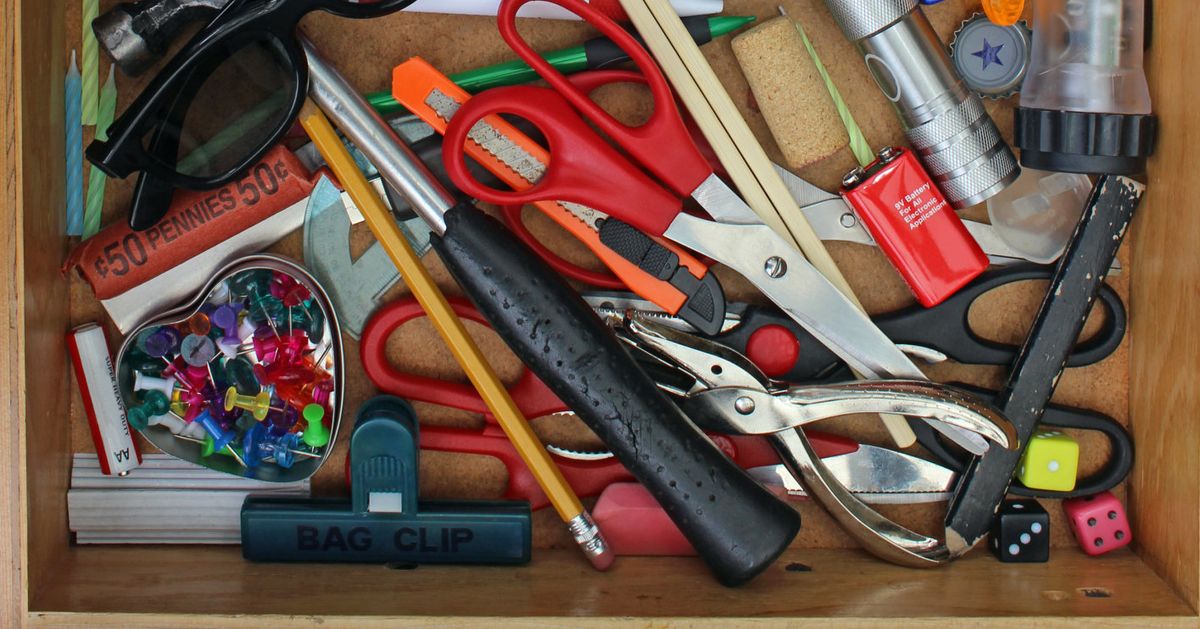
(914, 224)
(115, 447)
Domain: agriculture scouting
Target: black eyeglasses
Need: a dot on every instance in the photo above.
(220, 104)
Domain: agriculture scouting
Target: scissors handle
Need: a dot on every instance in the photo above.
(1113, 473)
(587, 478)
(947, 327)
(663, 132)
(513, 219)
(532, 396)
(583, 168)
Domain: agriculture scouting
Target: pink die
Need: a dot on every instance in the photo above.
(1098, 522)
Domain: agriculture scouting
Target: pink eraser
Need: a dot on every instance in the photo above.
(635, 525)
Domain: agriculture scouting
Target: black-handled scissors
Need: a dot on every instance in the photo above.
(784, 350)
(1116, 468)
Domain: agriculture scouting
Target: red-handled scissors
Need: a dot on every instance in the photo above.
(586, 169)
(587, 473)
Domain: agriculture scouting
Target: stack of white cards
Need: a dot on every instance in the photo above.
(165, 501)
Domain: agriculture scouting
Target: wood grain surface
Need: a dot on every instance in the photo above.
(70, 585)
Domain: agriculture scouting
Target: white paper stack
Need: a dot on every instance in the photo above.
(165, 501)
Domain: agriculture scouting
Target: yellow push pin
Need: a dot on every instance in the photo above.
(1004, 12)
(258, 405)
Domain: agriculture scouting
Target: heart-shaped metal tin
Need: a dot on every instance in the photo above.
(262, 336)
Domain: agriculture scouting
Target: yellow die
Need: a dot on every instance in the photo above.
(1051, 462)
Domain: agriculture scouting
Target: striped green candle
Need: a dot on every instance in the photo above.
(90, 62)
(858, 142)
(94, 204)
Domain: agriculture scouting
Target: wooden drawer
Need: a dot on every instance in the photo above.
(49, 581)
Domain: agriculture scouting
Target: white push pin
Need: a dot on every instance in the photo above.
(142, 382)
(220, 294)
(246, 329)
(170, 421)
(193, 430)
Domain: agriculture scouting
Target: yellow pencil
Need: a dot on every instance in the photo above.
(451, 328)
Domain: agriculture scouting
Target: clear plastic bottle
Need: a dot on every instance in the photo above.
(1087, 57)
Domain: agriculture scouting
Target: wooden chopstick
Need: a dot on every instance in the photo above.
(738, 149)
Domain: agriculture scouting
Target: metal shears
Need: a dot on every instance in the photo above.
(781, 349)
(723, 391)
(874, 474)
(588, 171)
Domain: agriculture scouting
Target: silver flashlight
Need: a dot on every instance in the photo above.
(945, 121)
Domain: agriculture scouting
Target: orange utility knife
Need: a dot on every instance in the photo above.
(664, 273)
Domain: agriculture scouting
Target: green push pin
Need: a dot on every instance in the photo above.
(240, 372)
(209, 448)
(316, 434)
(155, 404)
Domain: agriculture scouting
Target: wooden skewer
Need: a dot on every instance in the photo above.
(737, 148)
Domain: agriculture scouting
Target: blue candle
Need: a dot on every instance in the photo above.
(74, 97)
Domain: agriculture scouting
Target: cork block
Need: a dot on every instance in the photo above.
(790, 92)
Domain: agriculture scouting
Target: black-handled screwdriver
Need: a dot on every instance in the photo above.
(735, 524)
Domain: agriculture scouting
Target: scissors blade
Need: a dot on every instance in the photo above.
(832, 219)
(786, 278)
(803, 192)
(877, 475)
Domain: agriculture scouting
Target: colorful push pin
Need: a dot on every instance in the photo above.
(220, 294)
(208, 447)
(281, 422)
(142, 382)
(225, 317)
(170, 421)
(199, 324)
(253, 281)
(283, 373)
(246, 328)
(165, 340)
(198, 350)
(294, 345)
(146, 365)
(322, 389)
(258, 445)
(142, 338)
(316, 435)
(154, 404)
(215, 402)
(258, 405)
(240, 373)
(221, 437)
(264, 347)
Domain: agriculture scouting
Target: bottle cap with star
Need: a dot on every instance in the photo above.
(991, 59)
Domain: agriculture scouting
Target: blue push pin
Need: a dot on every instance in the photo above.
(220, 436)
(258, 445)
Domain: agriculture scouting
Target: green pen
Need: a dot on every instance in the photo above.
(594, 54)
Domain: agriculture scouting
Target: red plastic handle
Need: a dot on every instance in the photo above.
(661, 144)
(532, 396)
(513, 218)
(583, 168)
